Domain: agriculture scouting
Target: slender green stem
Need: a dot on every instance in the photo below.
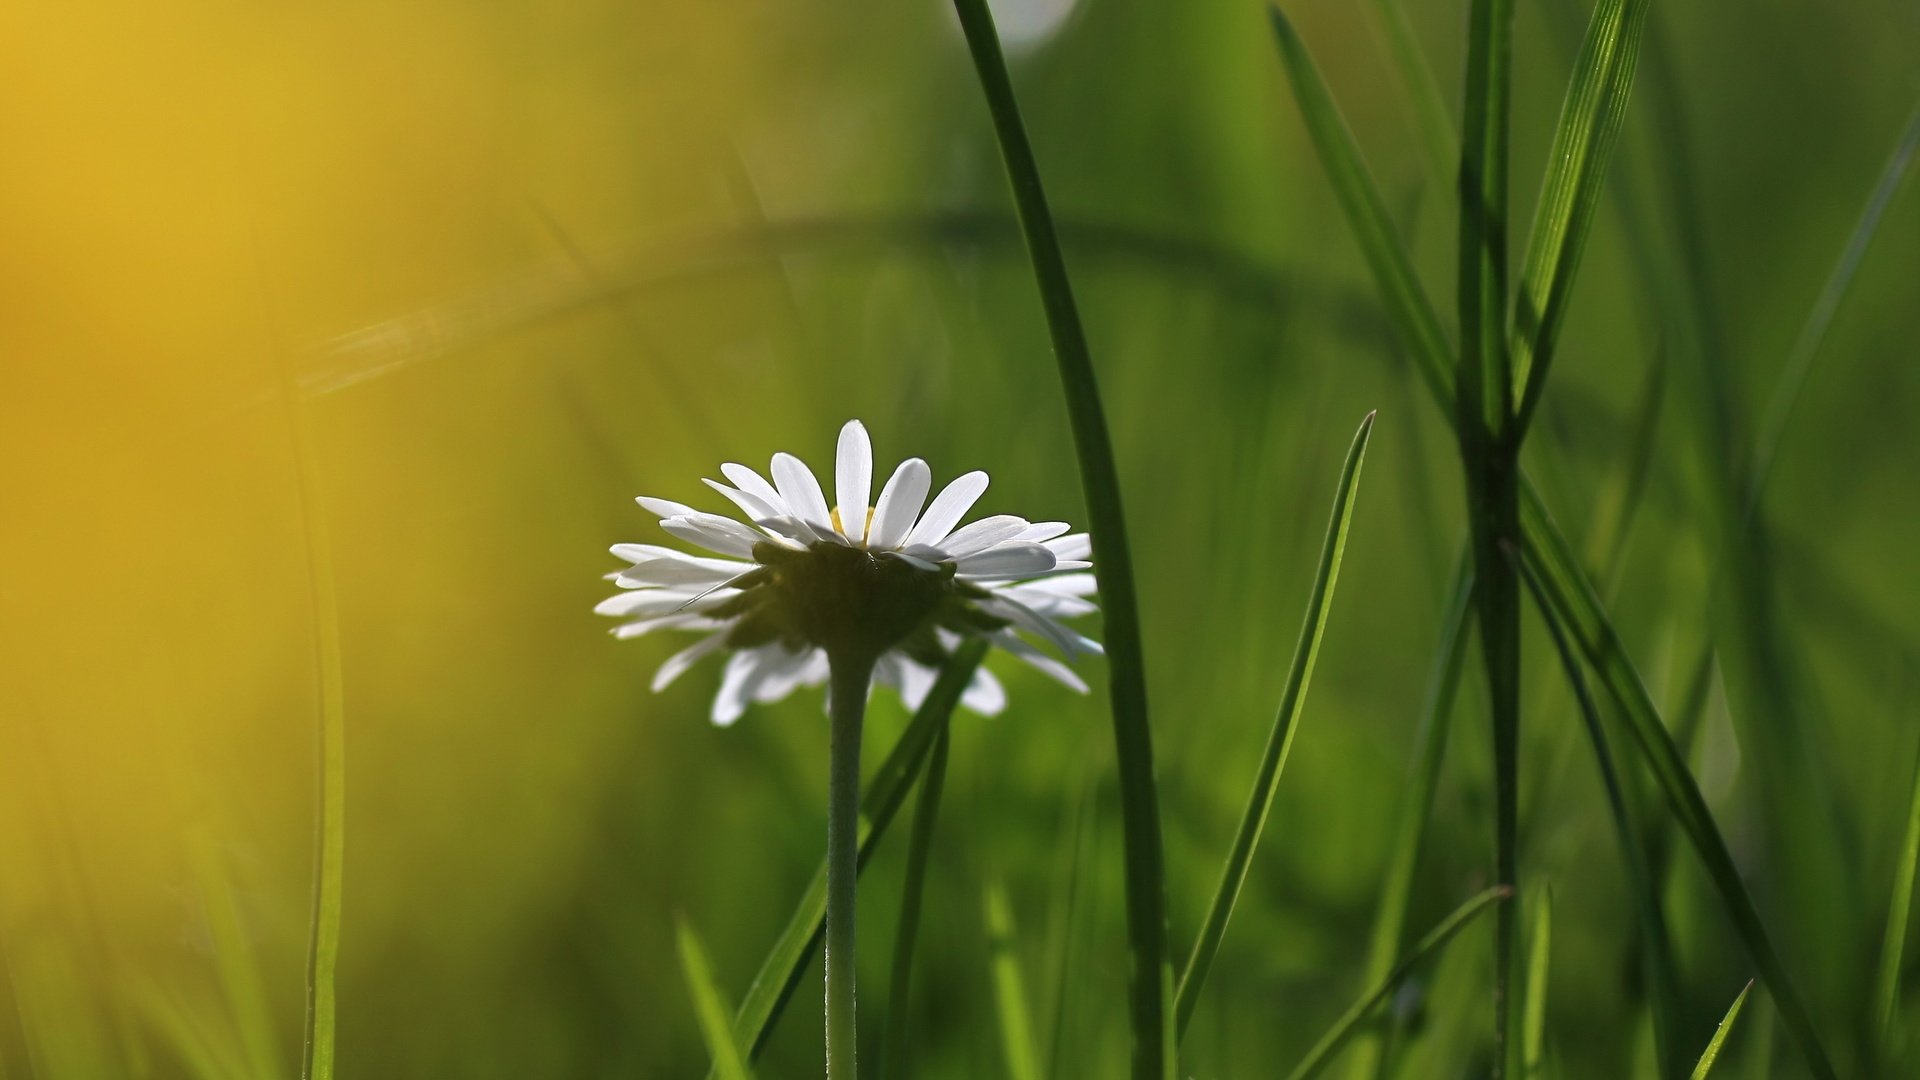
(847, 705)
(329, 849)
(893, 1057)
(1887, 986)
(1720, 1033)
(1151, 971)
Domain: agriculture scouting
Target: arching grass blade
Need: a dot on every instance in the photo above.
(1887, 986)
(1430, 745)
(880, 800)
(926, 809)
(1583, 144)
(709, 1006)
(1350, 1021)
(1151, 969)
(1280, 740)
(1712, 1053)
(1533, 1027)
(1009, 989)
(1380, 242)
(1571, 597)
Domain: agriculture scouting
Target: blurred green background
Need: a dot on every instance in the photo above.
(525, 261)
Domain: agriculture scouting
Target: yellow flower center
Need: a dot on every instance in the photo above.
(868, 524)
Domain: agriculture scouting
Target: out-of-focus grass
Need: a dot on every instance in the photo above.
(188, 188)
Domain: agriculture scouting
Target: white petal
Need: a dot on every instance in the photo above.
(1026, 577)
(853, 479)
(984, 694)
(715, 533)
(1065, 675)
(646, 553)
(641, 627)
(1077, 546)
(737, 684)
(658, 572)
(1070, 584)
(751, 505)
(1052, 605)
(783, 675)
(679, 662)
(948, 508)
(662, 602)
(789, 531)
(756, 485)
(1008, 558)
(914, 561)
(982, 534)
(665, 508)
(801, 491)
(899, 504)
(1041, 531)
(1034, 623)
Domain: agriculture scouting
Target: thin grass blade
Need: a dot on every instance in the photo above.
(1280, 740)
(1793, 375)
(1570, 596)
(1893, 952)
(1349, 1023)
(1583, 144)
(1430, 744)
(1151, 969)
(1712, 1053)
(926, 809)
(1009, 989)
(1386, 253)
(880, 800)
(1533, 1029)
(709, 1005)
(1436, 126)
(1656, 944)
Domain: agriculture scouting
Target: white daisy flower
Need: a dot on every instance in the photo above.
(898, 579)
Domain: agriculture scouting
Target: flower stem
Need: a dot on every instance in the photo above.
(847, 704)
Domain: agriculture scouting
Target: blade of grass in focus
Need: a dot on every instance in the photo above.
(926, 809)
(1657, 961)
(1712, 1053)
(709, 1006)
(1489, 454)
(1366, 212)
(1429, 749)
(1533, 1030)
(1349, 1022)
(880, 800)
(1273, 761)
(1571, 598)
(1009, 988)
(1887, 986)
(1151, 970)
(1583, 144)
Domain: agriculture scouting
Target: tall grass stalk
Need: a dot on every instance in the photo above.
(894, 1041)
(1886, 996)
(1151, 970)
(1009, 988)
(329, 857)
(1273, 761)
(852, 677)
(709, 1006)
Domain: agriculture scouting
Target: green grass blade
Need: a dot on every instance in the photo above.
(926, 809)
(1583, 144)
(329, 855)
(1280, 740)
(1663, 996)
(1429, 749)
(1436, 126)
(1712, 1053)
(1533, 1029)
(1570, 596)
(1793, 375)
(1893, 951)
(1151, 970)
(1349, 1023)
(1483, 408)
(1009, 989)
(235, 959)
(1409, 308)
(709, 1005)
(880, 800)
